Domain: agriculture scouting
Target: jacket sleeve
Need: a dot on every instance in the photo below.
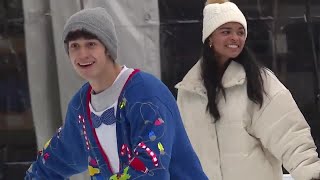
(151, 138)
(62, 156)
(284, 132)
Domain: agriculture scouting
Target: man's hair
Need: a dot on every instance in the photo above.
(74, 35)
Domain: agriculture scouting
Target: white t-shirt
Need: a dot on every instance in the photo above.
(101, 102)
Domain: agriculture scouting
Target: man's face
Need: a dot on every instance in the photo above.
(89, 58)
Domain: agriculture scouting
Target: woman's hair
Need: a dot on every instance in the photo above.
(212, 75)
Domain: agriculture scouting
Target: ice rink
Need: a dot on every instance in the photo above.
(287, 177)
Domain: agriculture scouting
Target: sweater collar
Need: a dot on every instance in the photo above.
(233, 76)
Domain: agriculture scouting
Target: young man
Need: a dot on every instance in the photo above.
(122, 124)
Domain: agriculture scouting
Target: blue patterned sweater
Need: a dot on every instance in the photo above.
(152, 142)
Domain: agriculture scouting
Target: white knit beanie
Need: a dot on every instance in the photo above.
(217, 14)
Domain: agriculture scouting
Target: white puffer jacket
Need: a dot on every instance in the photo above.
(248, 142)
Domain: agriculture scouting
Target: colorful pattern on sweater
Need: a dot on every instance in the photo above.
(152, 142)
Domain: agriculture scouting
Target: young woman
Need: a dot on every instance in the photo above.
(242, 122)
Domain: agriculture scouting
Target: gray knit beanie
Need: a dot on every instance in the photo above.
(96, 21)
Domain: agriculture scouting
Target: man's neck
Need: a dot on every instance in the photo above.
(99, 85)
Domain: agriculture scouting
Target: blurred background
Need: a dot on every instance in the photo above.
(162, 37)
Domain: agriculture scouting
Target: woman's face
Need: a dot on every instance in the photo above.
(227, 41)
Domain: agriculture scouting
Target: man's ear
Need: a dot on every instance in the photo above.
(108, 54)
